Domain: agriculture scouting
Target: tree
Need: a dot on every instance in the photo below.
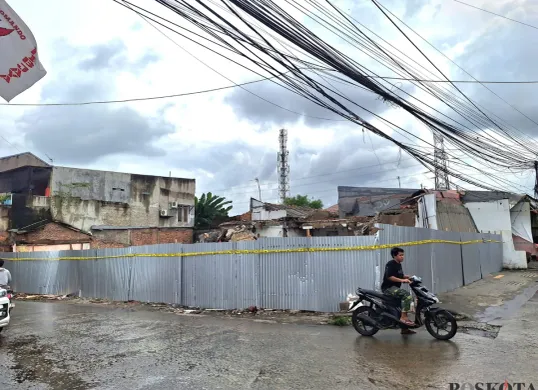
(303, 201)
(209, 207)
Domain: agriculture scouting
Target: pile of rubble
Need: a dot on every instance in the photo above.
(39, 297)
(235, 234)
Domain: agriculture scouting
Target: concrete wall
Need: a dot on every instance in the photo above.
(494, 217)
(259, 213)
(20, 160)
(84, 198)
(427, 212)
(491, 216)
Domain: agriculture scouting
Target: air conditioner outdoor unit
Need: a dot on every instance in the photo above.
(164, 213)
(174, 205)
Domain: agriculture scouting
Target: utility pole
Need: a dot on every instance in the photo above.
(283, 167)
(536, 181)
(440, 161)
(259, 189)
(399, 183)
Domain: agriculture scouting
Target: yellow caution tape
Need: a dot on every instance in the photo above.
(260, 251)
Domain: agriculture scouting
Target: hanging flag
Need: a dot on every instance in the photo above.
(19, 62)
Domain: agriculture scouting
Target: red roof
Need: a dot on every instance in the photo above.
(448, 196)
(333, 209)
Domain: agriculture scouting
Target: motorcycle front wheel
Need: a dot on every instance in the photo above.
(361, 327)
(441, 320)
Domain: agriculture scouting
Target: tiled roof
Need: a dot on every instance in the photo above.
(333, 209)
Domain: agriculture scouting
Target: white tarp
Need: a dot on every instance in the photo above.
(20, 67)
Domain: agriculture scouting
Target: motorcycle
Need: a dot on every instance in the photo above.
(6, 305)
(383, 312)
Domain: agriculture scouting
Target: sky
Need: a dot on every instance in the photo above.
(99, 50)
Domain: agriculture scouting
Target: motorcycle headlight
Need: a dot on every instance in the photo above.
(3, 293)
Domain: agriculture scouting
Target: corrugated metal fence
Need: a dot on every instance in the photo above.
(268, 273)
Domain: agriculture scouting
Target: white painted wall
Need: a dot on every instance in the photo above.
(494, 217)
(277, 231)
(427, 212)
(520, 215)
(259, 213)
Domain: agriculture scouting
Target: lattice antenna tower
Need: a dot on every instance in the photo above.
(283, 166)
(440, 161)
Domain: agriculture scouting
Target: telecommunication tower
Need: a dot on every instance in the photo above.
(283, 167)
(440, 161)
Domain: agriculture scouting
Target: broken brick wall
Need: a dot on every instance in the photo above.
(161, 236)
(53, 232)
(147, 236)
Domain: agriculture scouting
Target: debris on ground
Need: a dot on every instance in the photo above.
(252, 312)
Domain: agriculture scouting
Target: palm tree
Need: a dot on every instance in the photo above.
(209, 207)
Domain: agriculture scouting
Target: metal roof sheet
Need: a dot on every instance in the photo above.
(454, 218)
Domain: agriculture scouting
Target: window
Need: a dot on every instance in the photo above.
(183, 213)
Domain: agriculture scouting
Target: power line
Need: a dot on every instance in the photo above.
(146, 19)
(140, 99)
(478, 145)
(499, 15)
(452, 61)
(148, 98)
(455, 81)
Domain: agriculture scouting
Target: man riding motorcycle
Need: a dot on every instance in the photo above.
(392, 281)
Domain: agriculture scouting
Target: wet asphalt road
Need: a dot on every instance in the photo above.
(68, 347)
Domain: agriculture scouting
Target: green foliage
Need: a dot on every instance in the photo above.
(340, 321)
(303, 201)
(209, 207)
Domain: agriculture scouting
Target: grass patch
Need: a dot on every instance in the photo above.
(340, 321)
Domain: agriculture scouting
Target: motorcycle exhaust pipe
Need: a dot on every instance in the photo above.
(368, 320)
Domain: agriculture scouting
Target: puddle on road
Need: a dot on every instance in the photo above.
(393, 355)
(31, 364)
(492, 315)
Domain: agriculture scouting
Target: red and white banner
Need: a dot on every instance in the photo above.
(19, 63)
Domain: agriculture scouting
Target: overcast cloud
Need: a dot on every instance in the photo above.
(227, 139)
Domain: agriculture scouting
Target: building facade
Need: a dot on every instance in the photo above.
(144, 209)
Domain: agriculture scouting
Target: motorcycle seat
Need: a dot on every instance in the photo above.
(378, 295)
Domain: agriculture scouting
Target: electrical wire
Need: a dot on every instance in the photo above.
(142, 98)
(501, 148)
(448, 58)
(499, 15)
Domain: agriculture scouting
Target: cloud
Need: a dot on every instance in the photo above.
(227, 139)
(503, 52)
(84, 134)
(110, 56)
(277, 102)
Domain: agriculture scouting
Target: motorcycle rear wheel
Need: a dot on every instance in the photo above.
(360, 326)
(430, 323)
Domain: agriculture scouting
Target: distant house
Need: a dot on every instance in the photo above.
(123, 208)
(514, 216)
(277, 220)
